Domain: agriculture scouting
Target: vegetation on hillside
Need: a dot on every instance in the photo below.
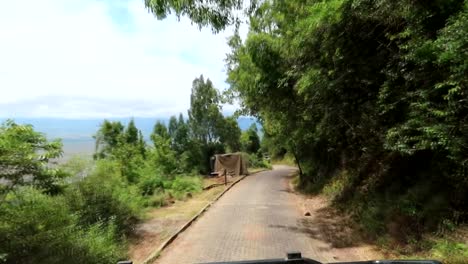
(374, 90)
(84, 210)
(370, 97)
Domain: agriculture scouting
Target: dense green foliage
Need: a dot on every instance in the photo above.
(105, 197)
(215, 13)
(49, 219)
(210, 131)
(38, 228)
(369, 97)
(377, 89)
(46, 217)
(250, 141)
(82, 211)
(24, 157)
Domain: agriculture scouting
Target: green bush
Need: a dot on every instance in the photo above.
(37, 228)
(337, 185)
(187, 184)
(150, 181)
(149, 184)
(163, 156)
(100, 243)
(157, 200)
(105, 197)
(283, 158)
(258, 162)
(78, 166)
(182, 185)
(371, 218)
(192, 160)
(450, 252)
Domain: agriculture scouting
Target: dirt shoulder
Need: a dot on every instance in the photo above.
(321, 221)
(347, 240)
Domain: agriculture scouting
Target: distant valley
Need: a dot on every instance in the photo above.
(77, 134)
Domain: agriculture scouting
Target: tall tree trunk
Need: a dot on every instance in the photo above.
(297, 162)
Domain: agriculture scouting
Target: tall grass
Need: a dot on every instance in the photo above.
(38, 228)
(410, 223)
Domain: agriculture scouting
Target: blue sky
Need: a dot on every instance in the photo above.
(101, 58)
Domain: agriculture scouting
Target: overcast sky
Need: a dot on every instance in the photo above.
(101, 58)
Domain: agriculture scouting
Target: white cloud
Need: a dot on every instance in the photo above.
(73, 58)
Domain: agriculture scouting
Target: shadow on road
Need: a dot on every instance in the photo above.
(328, 225)
(325, 222)
(333, 234)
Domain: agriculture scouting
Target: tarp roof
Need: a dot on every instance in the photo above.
(233, 164)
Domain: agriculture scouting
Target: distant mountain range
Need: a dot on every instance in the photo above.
(77, 134)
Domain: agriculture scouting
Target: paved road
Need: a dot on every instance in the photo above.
(258, 218)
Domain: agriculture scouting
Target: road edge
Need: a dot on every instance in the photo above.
(171, 239)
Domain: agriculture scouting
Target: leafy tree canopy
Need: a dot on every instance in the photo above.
(205, 116)
(24, 159)
(250, 140)
(214, 13)
(367, 86)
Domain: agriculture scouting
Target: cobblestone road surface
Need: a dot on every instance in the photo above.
(258, 218)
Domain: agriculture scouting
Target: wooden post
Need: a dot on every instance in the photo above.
(225, 177)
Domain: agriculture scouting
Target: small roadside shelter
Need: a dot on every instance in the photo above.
(233, 164)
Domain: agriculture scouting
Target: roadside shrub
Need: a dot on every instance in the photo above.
(100, 244)
(285, 158)
(163, 156)
(258, 162)
(150, 182)
(337, 184)
(105, 197)
(450, 252)
(191, 160)
(182, 185)
(37, 228)
(157, 200)
(187, 184)
(78, 167)
(372, 219)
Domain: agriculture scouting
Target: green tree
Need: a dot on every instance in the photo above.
(205, 120)
(159, 130)
(376, 89)
(122, 144)
(181, 120)
(163, 156)
(131, 133)
(217, 14)
(24, 159)
(107, 138)
(365, 86)
(250, 140)
(205, 116)
(172, 126)
(230, 134)
(180, 136)
(129, 158)
(141, 144)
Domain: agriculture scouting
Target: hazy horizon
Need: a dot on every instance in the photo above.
(77, 134)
